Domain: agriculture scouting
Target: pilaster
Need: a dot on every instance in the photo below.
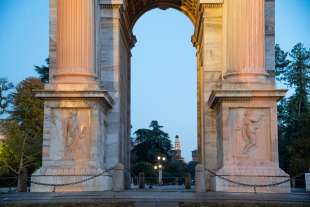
(209, 44)
(114, 42)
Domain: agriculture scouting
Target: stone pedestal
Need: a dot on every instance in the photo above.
(307, 178)
(73, 139)
(247, 140)
(200, 182)
(60, 176)
(118, 177)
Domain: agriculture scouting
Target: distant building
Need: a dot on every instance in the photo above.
(177, 152)
(195, 155)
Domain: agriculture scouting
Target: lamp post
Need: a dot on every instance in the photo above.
(159, 167)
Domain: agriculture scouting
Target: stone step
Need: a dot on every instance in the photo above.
(156, 204)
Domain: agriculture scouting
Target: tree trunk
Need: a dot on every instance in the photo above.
(22, 180)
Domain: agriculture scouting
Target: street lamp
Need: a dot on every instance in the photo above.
(159, 167)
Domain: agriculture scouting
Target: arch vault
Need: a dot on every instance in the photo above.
(87, 102)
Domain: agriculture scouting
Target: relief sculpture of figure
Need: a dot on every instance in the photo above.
(75, 135)
(251, 123)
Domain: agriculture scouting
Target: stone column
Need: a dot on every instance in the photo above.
(75, 41)
(245, 39)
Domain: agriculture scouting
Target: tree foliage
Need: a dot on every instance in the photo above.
(43, 71)
(23, 130)
(6, 89)
(294, 112)
(191, 168)
(145, 167)
(149, 143)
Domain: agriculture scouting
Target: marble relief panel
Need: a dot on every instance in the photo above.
(70, 131)
(249, 132)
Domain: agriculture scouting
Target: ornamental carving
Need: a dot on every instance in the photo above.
(251, 123)
(249, 133)
(76, 137)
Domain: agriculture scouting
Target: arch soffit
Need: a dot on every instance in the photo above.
(136, 8)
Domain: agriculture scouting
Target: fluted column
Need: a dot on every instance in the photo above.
(245, 38)
(75, 41)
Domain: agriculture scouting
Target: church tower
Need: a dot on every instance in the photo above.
(177, 148)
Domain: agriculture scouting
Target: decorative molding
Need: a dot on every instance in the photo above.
(212, 3)
(111, 2)
(83, 94)
(220, 94)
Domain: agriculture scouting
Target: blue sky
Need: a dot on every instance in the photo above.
(163, 62)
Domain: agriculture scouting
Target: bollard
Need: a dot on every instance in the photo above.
(200, 185)
(141, 180)
(118, 178)
(307, 179)
(187, 181)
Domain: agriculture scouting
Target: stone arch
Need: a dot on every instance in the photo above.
(137, 9)
(90, 51)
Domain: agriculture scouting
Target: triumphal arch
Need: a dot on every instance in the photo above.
(87, 102)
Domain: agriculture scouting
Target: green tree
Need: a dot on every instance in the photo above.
(294, 113)
(175, 168)
(145, 167)
(149, 143)
(191, 168)
(281, 61)
(21, 153)
(6, 89)
(43, 71)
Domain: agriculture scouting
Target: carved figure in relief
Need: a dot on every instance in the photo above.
(251, 123)
(75, 138)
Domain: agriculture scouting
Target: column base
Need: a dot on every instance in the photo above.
(63, 176)
(251, 175)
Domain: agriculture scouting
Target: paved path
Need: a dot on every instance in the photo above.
(141, 198)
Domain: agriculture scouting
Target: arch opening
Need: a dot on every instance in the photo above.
(155, 63)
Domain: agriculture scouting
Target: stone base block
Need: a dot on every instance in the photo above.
(64, 176)
(252, 176)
